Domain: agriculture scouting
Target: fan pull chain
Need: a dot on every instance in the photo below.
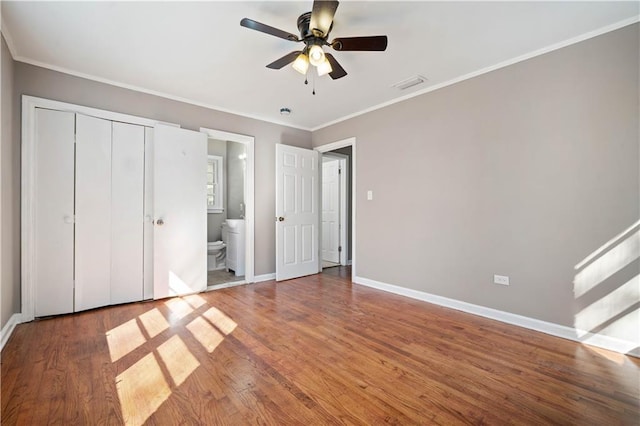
(306, 81)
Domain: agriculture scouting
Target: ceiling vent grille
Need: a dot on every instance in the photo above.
(410, 82)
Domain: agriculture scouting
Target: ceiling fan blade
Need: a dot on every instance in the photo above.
(255, 25)
(285, 60)
(338, 71)
(322, 16)
(377, 43)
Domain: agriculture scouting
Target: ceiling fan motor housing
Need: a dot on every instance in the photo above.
(309, 35)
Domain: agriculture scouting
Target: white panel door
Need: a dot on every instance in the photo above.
(127, 209)
(93, 212)
(297, 213)
(180, 210)
(54, 212)
(331, 211)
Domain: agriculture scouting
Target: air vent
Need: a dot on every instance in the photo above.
(410, 82)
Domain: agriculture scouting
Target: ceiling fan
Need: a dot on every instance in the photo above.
(314, 28)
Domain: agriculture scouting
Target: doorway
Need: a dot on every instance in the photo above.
(230, 215)
(340, 154)
(335, 206)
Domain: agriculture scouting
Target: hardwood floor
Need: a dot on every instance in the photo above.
(316, 350)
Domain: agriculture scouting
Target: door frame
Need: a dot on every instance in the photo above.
(249, 201)
(344, 222)
(330, 147)
(28, 182)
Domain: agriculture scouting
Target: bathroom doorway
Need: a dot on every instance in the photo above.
(229, 209)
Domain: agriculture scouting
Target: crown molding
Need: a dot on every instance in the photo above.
(152, 92)
(503, 64)
(7, 37)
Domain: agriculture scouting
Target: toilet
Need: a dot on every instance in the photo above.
(216, 255)
(216, 251)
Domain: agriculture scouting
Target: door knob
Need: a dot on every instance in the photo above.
(280, 219)
(159, 222)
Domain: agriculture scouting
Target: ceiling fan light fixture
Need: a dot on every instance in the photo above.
(314, 28)
(324, 68)
(301, 64)
(316, 55)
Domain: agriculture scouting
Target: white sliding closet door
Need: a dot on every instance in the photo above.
(148, 214)
(54, 212)
(93, 212)
(127, 203)
(180, 210)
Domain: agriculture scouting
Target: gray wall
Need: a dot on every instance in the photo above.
(36, 81)
(235, 180)
(9, 194)
(524, 171)
(215, 220)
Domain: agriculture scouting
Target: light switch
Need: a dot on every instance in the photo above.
(369, 195)
(501, 279)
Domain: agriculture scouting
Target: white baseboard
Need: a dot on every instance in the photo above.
(264, 277)
(605, 342)
(8, 328)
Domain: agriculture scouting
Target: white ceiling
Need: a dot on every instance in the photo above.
(198, 51)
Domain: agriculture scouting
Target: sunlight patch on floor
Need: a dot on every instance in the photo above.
(154, 322)
(615, 357)
(124, 339)
(194, 300)
(205, 333)
(179, 307)
(142, 389)
(147, 384)
(220, 320)
(178, 359)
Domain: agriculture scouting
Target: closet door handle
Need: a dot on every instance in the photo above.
(159, 222)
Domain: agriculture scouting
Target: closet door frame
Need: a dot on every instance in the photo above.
(28, 174)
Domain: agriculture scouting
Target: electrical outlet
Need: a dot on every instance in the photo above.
(501, 279)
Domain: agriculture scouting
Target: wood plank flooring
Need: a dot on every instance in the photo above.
(315, 350)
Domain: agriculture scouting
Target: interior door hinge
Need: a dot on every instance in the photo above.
(339, 171)
(339, 249)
